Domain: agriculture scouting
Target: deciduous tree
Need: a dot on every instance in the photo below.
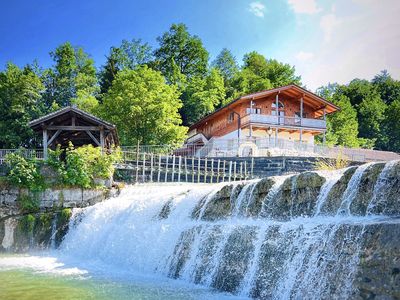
(144, 108)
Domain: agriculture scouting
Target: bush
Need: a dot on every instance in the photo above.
(83, 164)
(23, 172)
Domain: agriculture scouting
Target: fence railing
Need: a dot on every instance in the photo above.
(281, 147)
(150, 167)
(27, 153)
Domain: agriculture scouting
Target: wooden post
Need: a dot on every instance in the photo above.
(218, 164)
(230, 171)
(144, 167)
(186, 170)
(205, 170)
(245, 169)
(137, 161)
(151, 167)
(173, 168)
(241, 170)
(224, 174)
(198, 170)
(159, 168)
(192, 169)
(212, 170)
(234, 171)
(101, 139)
(252, 167)
(45, 144)
(166, 168)
(179, 168)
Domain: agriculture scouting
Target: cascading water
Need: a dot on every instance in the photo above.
(263, 239)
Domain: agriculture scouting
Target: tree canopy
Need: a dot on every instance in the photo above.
(144, 108)
(152, 93)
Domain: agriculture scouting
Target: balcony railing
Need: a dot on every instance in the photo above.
(284, 121)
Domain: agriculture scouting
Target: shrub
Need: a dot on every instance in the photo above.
(83, 164)
(23, 172)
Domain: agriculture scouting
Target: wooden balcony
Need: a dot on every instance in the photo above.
(283, 121)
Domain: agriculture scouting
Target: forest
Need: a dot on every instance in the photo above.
(152, 94)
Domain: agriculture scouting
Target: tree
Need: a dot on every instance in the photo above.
(279, 74)
(226, 63)
(202, 96)
(144, 108)
(342, 125)
(20, 94)
(259, 73)
(128, 55)
(392, 126)
(371, 114)
(73, 75)
(387, 87)
(179, 50)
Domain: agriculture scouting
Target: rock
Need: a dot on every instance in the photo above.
(334, 198)
(378, 273)
(235, 259)
(365, 189)
(260, 192)
(221, 204)
(297, 197)
(390, 202)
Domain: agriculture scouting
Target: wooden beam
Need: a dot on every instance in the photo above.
(93, 137)
(45, 144)
(53, 137)
(74, 128)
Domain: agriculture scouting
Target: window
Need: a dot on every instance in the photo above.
(253, 111)
(231, 117)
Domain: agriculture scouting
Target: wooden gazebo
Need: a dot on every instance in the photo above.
(71, 124)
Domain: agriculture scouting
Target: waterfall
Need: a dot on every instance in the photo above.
(53, 232)
(265, 239)
(352, 189)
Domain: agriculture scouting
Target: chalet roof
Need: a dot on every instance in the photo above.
(292, 90)
(36, 124)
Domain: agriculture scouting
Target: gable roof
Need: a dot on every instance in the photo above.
(70, 109)
(291, 89)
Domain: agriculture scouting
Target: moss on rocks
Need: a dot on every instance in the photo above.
(259, 193)
(297, 197)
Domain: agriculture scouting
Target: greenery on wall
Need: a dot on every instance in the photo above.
(73, 167)
(152, 95)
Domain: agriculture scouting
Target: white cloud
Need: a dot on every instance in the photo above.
(363, 39)
(304, 56)
(257, 8)
(304, 6)
(328, 25)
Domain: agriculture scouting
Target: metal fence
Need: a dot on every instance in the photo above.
(27, 153)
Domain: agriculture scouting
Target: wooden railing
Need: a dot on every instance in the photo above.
(150, 167)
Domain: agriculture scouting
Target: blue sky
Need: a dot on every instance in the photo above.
(327, 41)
